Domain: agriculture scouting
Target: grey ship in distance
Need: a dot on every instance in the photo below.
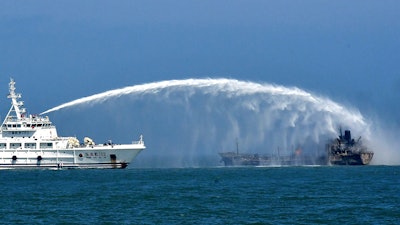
(340, 151)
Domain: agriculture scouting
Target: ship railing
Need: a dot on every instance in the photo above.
(140, 142)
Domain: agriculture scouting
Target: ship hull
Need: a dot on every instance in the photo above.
(254, 160)
(352, 159)
(235, 159)
(87, 157)
(66, 166)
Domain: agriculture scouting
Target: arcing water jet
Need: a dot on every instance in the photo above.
(187, 122)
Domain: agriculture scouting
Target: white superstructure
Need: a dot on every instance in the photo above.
(31, 141)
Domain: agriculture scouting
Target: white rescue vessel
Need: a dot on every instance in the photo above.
(31, 141)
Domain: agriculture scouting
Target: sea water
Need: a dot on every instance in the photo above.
(257, 195)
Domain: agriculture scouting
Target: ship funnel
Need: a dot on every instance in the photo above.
(347, 135)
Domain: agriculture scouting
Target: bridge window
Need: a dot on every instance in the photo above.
(30, 145)
(15, 145)
(46, 145)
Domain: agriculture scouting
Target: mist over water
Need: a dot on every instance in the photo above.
(186, 123)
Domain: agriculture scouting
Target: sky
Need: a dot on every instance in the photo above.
(348, 51)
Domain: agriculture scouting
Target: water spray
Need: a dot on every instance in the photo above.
(210, 114)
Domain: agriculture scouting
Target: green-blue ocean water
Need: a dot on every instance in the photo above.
(268, 195)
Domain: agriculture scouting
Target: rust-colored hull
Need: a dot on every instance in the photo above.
(363, 158)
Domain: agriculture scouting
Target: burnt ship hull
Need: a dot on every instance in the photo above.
(233, 159)
(236, 159)
(352, 159)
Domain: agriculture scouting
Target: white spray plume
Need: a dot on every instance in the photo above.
(230, 87)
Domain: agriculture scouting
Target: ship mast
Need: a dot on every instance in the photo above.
(237, 146)
(16, 111)
(16, 104)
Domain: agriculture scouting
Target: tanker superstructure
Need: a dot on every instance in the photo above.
(346, 151)
(31, 141)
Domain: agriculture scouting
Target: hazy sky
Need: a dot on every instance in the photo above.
(59, 51)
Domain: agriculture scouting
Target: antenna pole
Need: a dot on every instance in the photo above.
(237, 146)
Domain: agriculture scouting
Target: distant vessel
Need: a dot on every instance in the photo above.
(340, 151)
(31, 141)
(345, 151)
(247, 159)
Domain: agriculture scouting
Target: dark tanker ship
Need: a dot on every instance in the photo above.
(340, 151)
